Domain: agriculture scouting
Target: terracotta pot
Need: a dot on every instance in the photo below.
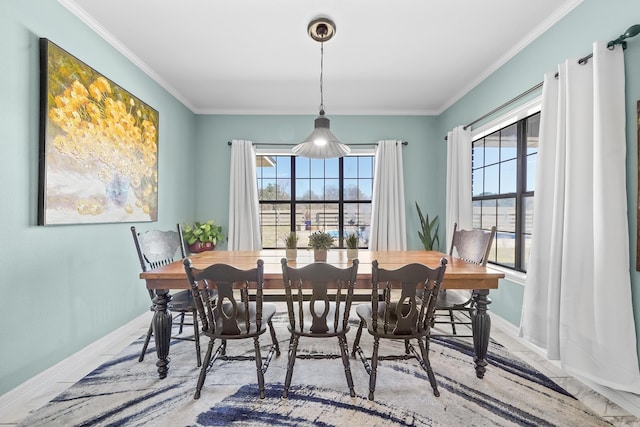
(320, 255)
(198, 246)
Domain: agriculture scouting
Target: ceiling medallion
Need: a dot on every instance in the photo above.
(321, 29)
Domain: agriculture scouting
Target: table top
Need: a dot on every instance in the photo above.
(459, 274)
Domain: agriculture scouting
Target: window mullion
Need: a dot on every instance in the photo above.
(520, 183)
(292, 202)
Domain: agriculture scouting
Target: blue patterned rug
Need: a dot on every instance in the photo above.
(124, 392)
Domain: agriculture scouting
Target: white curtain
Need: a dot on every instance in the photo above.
(388, 222)
(244, 221)
(458, 182)
(577, 299)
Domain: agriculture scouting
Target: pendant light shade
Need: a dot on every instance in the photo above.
(321, 143)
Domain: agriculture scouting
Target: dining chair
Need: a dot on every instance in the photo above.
(456, 307)
(239, 312)
(157, 248)
(397, 313)
(320, 315)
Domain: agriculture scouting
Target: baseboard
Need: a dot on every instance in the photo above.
(71, 369)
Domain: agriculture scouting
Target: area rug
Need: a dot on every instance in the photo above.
(124, 392)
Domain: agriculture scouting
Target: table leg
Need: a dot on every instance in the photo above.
(481, 327)
(162, 323)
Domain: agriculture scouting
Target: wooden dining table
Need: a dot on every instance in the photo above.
(459, 275)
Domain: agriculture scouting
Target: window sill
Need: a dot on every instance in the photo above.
(510, 275)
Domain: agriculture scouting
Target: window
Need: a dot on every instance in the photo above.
(306, 195)
(503, 178)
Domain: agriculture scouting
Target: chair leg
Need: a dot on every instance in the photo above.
(427, 365)
(374, 367)
(292, 360)
(406, 347)
(181, 322)
(203, 370)
(274, 339)
(344, 349)
(256, 345)
(356, 342)
(453, 322)
(146, 342)
(196, 336)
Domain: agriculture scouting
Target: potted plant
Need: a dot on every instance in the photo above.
(320, 242)
(291, 245)
(202, 236)
(429, 231)
(352, 246)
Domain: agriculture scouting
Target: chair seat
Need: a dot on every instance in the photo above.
(329, 326)
(364, 311)
(181, 301)
(452, 299)
(268, 311)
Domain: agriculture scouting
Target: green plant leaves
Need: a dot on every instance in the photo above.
(429, 231)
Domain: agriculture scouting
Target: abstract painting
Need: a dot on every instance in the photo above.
(98, 146)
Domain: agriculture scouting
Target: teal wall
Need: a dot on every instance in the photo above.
(424, 170)
(572, 37)
(64, 287)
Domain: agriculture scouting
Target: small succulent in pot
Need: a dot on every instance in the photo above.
(352, 245)
(320, 242)
(352, 241)
(291, 245)
(291, 240)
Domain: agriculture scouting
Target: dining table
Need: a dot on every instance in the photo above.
(459, 274)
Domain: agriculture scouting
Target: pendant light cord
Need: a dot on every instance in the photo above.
(321, 72)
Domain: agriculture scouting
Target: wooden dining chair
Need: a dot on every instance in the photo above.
(323, 316)
(396, 313)
(238, 313)
(157, 248)
(455, 307)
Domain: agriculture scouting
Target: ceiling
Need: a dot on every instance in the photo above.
(255, 57)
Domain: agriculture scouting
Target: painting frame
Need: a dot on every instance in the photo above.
(98, 153)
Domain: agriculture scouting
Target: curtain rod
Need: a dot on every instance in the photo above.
(284, 144)
(632, 31)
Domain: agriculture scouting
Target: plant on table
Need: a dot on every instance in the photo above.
(320, 242)
(202, 236)
(291, 245)
(352, 245)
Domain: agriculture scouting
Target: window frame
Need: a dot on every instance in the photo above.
(293, 202)
(517, 114)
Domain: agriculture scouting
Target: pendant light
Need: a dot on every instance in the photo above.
(321, 143)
